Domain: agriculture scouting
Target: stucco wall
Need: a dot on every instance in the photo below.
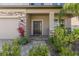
(30, 10)
(42, 10)
(74, 22)
(45, 14)
(13, 10)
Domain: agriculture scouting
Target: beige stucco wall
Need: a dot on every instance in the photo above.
(42, 10)
(45, 18)
(25, 10)
(74, 22)
(48, 18)
(46, 14)
(13, 10)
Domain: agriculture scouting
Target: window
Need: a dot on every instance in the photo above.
(62, 22)
(54, 4)
(56, 22)
(37, 4)
(48, 4)
(58, 4)
(40, 4)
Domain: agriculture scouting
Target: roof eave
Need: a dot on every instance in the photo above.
(31, 7)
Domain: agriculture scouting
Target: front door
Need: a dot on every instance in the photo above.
(37, 27)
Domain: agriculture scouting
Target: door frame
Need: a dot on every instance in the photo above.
(32, 25)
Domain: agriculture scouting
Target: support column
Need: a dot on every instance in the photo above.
(51, 23)
(27, 25)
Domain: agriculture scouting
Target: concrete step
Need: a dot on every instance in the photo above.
(37, 38)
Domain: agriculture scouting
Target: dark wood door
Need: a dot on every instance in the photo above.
(37, 27)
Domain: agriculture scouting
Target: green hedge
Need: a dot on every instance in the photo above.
(39, 50)
(11, 49)
(62, 40)
(23, 40)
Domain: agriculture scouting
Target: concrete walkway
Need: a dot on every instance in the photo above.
(26, 48)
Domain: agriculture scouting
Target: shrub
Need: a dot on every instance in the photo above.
(39, 50)
(6, 49)
(51, 40)
(75, 33)
(58, 37)
(0, 53)
(11, 49)
(62, 40)
(23, 40)
(67, 52)
(15, 48)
